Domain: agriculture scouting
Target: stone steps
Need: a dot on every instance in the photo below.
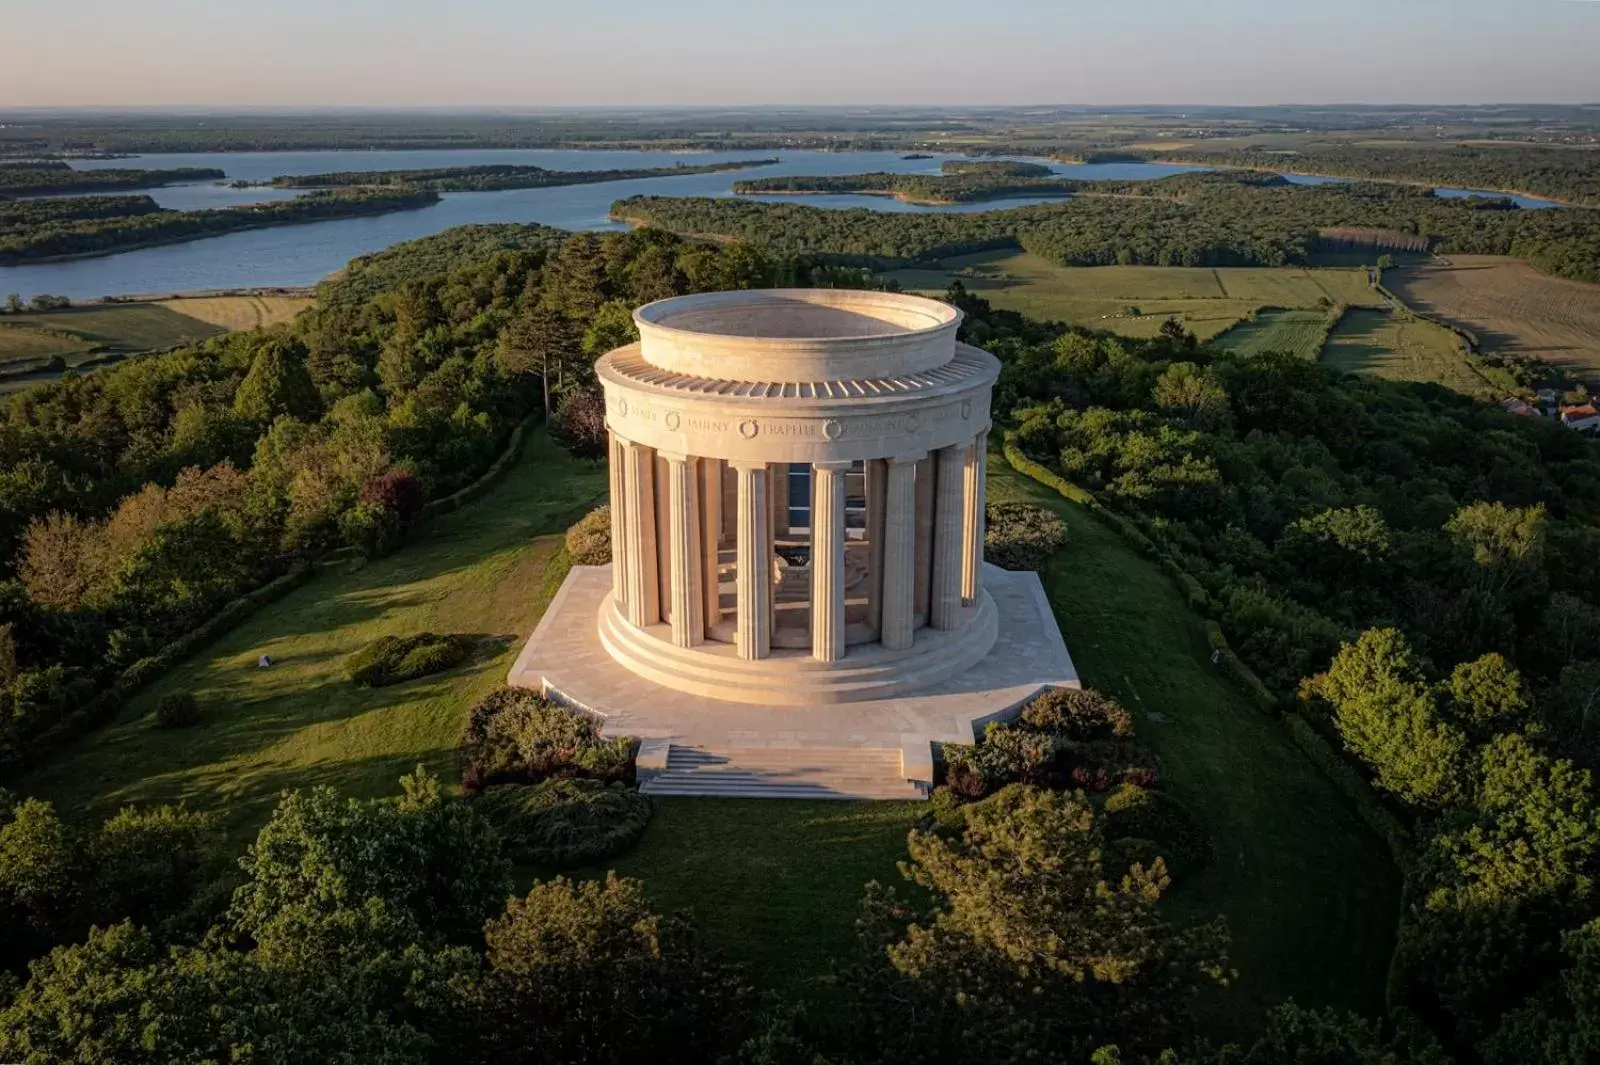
(783, 773)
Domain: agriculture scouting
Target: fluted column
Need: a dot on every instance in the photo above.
(710, 533)
(827, 560)
(684, 550)
(619, 524)
(753, 583)
(875, 474)
(899, 555)
(972, 520)
(944, 598)
(927, 468)
(639, 536)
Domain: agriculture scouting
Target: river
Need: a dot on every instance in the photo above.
(298, 255)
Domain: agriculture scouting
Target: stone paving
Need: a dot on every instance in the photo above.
(565, 660)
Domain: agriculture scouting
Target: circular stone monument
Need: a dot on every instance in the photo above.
(797, 603)
(797, 480)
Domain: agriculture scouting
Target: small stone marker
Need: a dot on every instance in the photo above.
(264, 661)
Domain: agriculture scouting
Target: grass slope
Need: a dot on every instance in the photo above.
(1382, 344)
(479, 570)
(1309, 893)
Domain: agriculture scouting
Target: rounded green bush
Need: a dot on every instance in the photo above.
(1133, 812)
(565, 823)
(178, 710)
(589, 541)
(1077, 714)
(395, 659)
(1021, 536)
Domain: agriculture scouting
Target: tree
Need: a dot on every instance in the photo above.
(278, 383)
(586, 972)
(540, 340)
(1191, 395)
(14, 303)
(61, 560)
(1388, 716)
(41, 875)
(612, 327)
(1560, 1026)
(574, 278)
(156, 866)
(1505, 544)
(580, 423)
(1487, 696)
(1026, 950)
(428, 858)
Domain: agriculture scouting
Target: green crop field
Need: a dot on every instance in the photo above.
(1309, 893)
(1297, 332)
(79, 334)
(1383, 344)
(1134, 301)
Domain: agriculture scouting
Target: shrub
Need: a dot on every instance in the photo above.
(1021, 536)
(1132, 812)
(397, 491)
(1123, 854)
(579, 423)
(372, 529)
(178, 710)
(1077, 714)
(563, 823)
(1006, 755)
(396, 659)
(515, 736)
(1102, 764)
(589, 541)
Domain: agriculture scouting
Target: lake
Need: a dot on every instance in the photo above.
(299, 255)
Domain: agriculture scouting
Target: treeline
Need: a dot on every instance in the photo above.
(496, 177)
(103, 226)
(1184, 220)
(960, 186)
(988, 168)
(1414, 570)
(1570, 174)
(50, 178)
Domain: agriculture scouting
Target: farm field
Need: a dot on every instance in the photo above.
(1377, 342)
(235, 313)
(1207, 301)
(86, 336)
(1510, 306)
(1298, 332)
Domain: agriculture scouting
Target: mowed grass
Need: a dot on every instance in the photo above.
(1207, 301)
(1383, 344)
(235, 313)
(480, 570)
(1299, 333)
(1310, 894)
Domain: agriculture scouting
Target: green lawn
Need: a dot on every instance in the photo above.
(479, 570)
(1309, 893)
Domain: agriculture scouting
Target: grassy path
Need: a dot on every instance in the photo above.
(478, 570)
(1309, 893)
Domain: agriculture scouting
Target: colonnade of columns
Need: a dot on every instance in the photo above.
(925, 528)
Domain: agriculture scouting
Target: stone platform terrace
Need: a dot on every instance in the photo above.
(878, 748)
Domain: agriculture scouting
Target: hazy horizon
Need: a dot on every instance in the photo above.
(497, 55)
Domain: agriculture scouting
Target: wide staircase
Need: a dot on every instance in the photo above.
(782, 773)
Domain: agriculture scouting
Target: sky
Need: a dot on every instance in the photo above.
(535, 53)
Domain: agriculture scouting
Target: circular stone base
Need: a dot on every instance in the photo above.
(794, 678)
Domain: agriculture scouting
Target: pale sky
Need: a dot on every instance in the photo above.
(532, 53)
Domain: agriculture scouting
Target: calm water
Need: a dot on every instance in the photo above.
(303, 254)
